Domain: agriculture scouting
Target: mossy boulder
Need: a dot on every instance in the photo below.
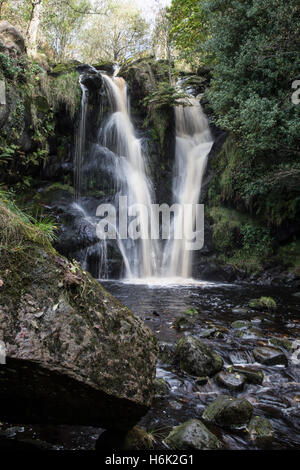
(197, 358)
(191, 435)
(229, 412)
(260, 431)
(75, 355)
(263, 303)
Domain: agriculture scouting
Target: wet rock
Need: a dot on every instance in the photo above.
(231, 380)
(74, 354)
(282, 342)
(240, 311)
(161, 388)
(201, 380)
(207, 333)
(228, 412)
(192, 434)
(263, 303)
(175, 405)
(253, 376)
(260, 431)
(296, 294)
(183, 323)
(166, 352)
(269, 356)
(197, 358)
(240, 324)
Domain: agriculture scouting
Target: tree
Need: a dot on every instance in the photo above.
(61, 23)
(33, 27)
(161, 40)
(189, 28)
(123, 34)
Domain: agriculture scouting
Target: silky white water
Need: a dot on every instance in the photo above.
(80, 142)
(144, 258)
(193, 144)
(119, 135)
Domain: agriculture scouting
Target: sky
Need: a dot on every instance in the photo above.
(149, 8)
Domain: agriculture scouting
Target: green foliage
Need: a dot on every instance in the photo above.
(164, 95)
(256, 60)
(193, 312)
(19, 227)
(64, 90)
(240, 240)
(188, 29)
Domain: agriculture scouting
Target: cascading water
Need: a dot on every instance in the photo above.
(193, 144)
(119, 155)
(119, 136)
(80, 142)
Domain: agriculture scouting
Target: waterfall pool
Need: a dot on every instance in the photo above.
(218, 305)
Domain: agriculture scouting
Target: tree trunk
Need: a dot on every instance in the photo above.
(33, 27)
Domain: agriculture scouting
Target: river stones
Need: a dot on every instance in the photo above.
(230, 412)
(231, 380)
(241, 324)
(240, 311)
(192, 434)
(161, 387)
(253, 376)
(260, 431)
(197, 358)
(263, 303)
(166, 352)
(282, 342)
(269, 356)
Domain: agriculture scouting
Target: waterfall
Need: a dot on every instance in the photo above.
(80, 142)
(193, 144)
(119, 136)
(118, 156)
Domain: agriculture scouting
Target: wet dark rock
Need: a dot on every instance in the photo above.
(207, 333)
(166, 352)
(240, 311)
(296, 294)
(197, 358)
(230, 412)
(261, 431)
(190, 435)
(231, 380)
(253, 376)
(201, 380)
(240, 324)
(282, 342)
(161, 387)
(269, 356)
(184, 323)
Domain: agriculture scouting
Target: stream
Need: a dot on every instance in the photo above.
(277, 399)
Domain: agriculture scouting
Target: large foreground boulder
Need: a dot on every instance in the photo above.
(74, 354)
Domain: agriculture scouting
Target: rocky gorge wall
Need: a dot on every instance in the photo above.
(38, 126)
